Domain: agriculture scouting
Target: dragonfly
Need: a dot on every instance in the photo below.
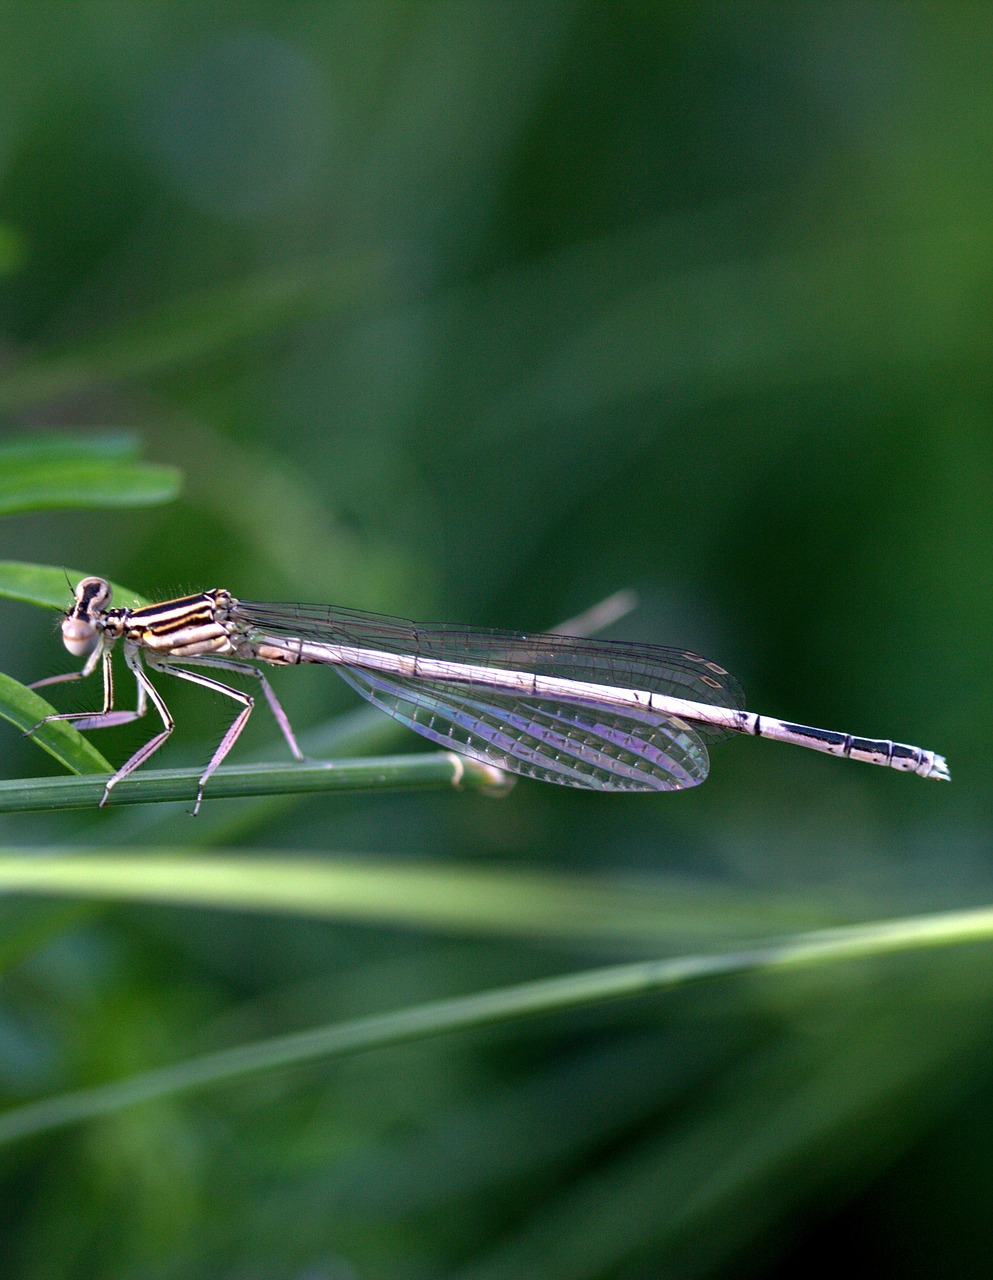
(604, 715)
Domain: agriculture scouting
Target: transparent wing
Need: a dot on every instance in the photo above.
(573, 744)
(625, 665)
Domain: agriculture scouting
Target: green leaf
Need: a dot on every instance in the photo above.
(51, 588)
(81, 470)
(55, 446)
(28, 484)
(24, 708)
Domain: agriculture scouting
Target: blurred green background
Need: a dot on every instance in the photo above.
(481, 312)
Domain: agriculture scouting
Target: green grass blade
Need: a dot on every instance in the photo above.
(527, 1000)
(24, 708)
(425, 771)
(466, 900)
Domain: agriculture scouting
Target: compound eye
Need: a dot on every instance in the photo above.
(81, 626)
(92, 594)
(79, 636)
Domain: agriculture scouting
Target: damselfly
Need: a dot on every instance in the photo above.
(603, 715)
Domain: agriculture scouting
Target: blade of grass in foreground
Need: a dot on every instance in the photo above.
(527, 1000)
(469, 901)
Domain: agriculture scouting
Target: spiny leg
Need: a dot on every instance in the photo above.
(100, 651)
(246, 669)
(103, 719)
(146, 690)
(230, 737)
(144, 753)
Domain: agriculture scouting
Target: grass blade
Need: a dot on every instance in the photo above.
(467, 900)
(526, 1000)
(424, 771)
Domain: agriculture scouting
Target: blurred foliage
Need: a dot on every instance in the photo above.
(469, 311)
